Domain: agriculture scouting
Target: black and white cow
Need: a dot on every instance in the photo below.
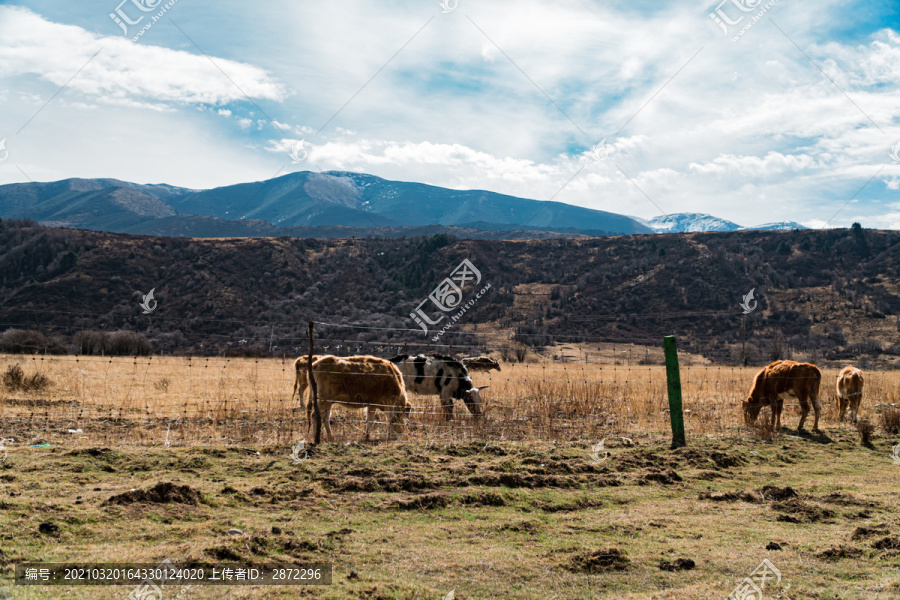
(442, 376)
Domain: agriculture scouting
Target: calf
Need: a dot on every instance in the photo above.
(480, 363)
(849, 392)
(778, 381)
(356, 382)
(443, 376)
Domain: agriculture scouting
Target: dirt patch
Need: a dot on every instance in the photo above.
(887, 543)
(796, 511)
(520, 480)
(845, 500)
(840, 552)
(443, 499)
(567, 506)
(339, 532)
(667, 477)
(94, 452)
(223, 553)
(772, 492)
(608, 559)
(162, 493)
(679, 564)
(421, 502)
(702, 458)
(864, 532)
(710, 475)
(48, 528)
(729, 497)
(482, 499)
(530, 527)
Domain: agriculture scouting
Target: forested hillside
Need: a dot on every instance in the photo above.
(825, 294)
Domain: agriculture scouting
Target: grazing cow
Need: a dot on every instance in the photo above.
(480, 363)
(441, 375)
(849, 392)
(356, 382)
(778, 381)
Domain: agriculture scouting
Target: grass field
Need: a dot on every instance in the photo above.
(515, 507)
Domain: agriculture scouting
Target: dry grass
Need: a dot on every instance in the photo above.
(218, 401)
(519, 510)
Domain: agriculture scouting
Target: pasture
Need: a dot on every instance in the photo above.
(515, 506)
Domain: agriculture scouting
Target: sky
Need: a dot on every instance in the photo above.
(751, 110)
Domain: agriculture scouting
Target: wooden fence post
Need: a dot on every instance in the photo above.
(673, 378)
(317, 417)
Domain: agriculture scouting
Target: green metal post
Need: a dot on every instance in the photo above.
(674, 380)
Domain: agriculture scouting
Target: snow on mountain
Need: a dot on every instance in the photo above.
(690, 222)
(694, 222)
(777, 226)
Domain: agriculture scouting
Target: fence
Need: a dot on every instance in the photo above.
(177, 401)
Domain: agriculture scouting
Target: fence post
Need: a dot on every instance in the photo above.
(317, 417)
(674, 383)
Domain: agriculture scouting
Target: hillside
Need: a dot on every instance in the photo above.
(821, 294)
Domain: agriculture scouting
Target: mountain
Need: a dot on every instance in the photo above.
(700, 222)
(327, 205)
(304, 200)
(778, 226)
(690, 222)
(822, 294)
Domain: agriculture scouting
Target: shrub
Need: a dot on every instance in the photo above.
(890, 420)
(14, 379)
(129, 343)
(24, 341)
(865, 429)
(118, 343)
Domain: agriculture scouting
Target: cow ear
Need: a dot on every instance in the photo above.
(482, 387)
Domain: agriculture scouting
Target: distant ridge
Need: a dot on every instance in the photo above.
(325, 205)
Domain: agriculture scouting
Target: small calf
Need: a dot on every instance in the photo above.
(849, 392)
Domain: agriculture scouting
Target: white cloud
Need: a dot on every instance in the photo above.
(123, 73)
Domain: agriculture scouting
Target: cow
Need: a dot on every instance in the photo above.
(778, 381)
(355, 382)
(849, 392)
(480, 363)
(441, 375)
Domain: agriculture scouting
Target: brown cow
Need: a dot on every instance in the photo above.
(356, 382)
(849, 392)
(780, 380)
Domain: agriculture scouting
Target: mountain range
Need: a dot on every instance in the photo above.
(335, 204)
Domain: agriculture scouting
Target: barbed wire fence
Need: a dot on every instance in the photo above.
(239, 401)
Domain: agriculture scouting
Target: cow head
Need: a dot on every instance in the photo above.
(474, 402)
(751, 410)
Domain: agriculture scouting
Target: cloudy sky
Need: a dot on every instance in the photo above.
(767, 110)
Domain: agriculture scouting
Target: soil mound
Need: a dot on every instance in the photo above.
(163, 492)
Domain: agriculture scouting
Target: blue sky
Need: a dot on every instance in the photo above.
(795, 119)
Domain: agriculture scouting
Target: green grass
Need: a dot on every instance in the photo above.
(497, 520)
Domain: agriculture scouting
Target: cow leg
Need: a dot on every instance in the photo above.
(447, 404)
(804, 410)
(325, 412)
(842, 407)
(817, 408)
(775, 405)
